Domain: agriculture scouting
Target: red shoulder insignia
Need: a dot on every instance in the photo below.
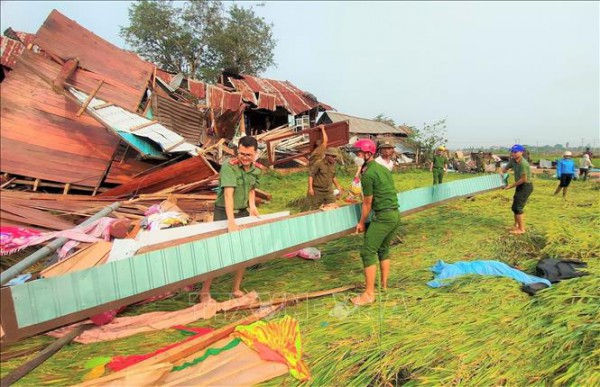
(234, 161)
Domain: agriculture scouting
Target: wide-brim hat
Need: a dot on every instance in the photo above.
(331, 152)
(386, 144)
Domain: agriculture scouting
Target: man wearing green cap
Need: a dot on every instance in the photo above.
(523, 186)
(438, 165)
(321, 179)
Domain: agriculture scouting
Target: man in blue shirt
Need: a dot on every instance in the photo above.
(565, 170)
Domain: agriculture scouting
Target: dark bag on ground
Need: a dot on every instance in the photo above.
(555, 270)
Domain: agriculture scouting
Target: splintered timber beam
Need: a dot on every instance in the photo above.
(48, 303)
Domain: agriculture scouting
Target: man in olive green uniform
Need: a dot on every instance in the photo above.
(321, 179)
(379, 195)
(238, 180)
(480, 162)
(523, 185)
(438, 165)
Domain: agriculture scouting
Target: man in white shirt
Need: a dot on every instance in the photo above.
(386, 151)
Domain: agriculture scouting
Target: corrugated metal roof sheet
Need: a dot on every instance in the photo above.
(121, 120)
(10, 51)
(197, 88)
(125, 75)
(185, 120)
(44, 301)
(362, 125)
(286, 94)
(221, 100)
(42, 137)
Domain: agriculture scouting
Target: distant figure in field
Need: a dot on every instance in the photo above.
(480, 162)
(523, 186)
(589, 153)
(438, 165)
(584, 166)
(565, 170)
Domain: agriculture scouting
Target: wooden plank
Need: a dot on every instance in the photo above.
(56, 346)
(103, 105)
(193, 169)
(144, 125)
(89, 99)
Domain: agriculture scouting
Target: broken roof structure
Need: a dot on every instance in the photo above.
(75, 101)
(363, 126)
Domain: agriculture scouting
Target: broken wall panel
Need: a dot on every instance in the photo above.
(185, 120)
(126, 75)
(197, 88)
(188, 171)
(42, 137)
(10, 51)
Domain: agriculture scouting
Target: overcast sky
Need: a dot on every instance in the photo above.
(498, 72)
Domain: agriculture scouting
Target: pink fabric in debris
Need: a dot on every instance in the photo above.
(13, 239)
(26, 238)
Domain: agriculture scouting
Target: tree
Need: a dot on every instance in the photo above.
(428, 138)
(385, 119)
(243, 44)
(200, 39)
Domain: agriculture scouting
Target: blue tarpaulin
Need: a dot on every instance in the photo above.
(446, 271)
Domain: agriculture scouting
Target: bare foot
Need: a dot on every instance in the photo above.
(517, 231)
(363, 299)
(206, 298)
(238, 294)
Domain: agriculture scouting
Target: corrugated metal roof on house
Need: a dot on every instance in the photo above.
(10, 51)
(362, 125)
(222, 100)
(185, 120)
(197, 88)
(42, 136)
(286, 94)
(125, 75)
(121, 120)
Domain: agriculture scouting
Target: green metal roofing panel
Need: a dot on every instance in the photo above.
(146, 147)
(49, 298)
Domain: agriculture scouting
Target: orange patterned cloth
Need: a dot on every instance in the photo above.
(278, 340)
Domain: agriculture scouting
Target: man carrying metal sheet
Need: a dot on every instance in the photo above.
(379, 195)
(238, 180)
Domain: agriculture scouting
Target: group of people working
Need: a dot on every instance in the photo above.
(239, 179)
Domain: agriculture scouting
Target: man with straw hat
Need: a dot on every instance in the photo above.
(321, 179)
(379, 195)
(386, 151)
(565, 170)
(523, 186)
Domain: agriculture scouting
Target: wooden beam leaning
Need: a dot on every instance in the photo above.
(89, 99)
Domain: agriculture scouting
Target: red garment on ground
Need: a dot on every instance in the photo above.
(120, 362)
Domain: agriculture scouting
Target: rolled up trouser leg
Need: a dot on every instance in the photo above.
(378, 236)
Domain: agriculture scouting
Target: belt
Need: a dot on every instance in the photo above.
(387, 209)
(234, 211)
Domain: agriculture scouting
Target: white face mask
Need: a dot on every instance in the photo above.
(359, 161)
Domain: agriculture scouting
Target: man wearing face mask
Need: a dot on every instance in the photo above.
(379, 196)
